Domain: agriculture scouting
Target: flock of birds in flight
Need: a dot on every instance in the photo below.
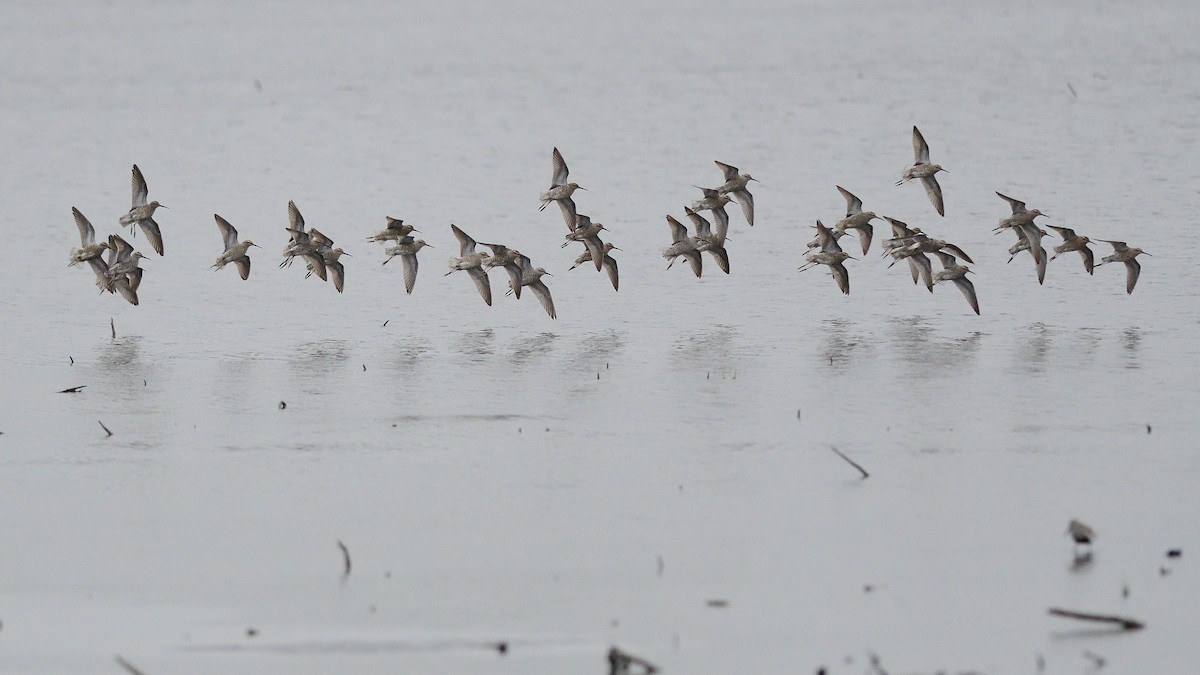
(117, 270)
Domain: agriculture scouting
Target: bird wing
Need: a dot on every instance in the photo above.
(958, 252)
(295, 220)
(853, 204)
(337, 272)
(121, 249)
(921, 269)
(1017, 205)
(721, 255)
(1088, 258)
(319, 240)
(693, 258)
(543, 295)
(842, 276)
(935, 194)
(968, 290)
(515, 276)
(317, 263)
(87, 233)
(1117, 245)
(678, 231)
(561, 171)
(410, 271)
(153, 234)
(1033, 235)
(480, 278)
(126, 290)
(1064, 232)
(466, 245)
(920, 147)
(243, 266)
(567, 206)
(1040, 263)
(746, 199)
(229, 234)
(899, 228)
(722, 218)
(947, 259)
(610, 266)
(703, 227)
(865, 232)
(596, 246)
(140, 190)
(730, 172)
(1132, 269)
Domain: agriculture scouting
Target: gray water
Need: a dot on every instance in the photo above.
(498, 476)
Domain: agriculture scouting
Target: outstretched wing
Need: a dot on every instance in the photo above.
(853, 204)
(229, 234)
(561, 171)
(140, 190)
(920, 147)
(968, 290)
(730, 172)
(746, 199)
(87, 233)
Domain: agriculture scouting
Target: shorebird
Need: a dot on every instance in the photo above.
(89, 250)
(407, 250)
(333, 264)
(142, 214)
(953, 272)
(831, 254)
(681, 245)
(735, 185)
(302, 244)
(706, 240)
(1122, 253)
(1080, 533)
(856, 219)
(1020, 214)
(589, 233)
(713, 201)
(926, 244)
(1022, 244)
(609, 264)
(923, 169)
(900, 247)
(396, 230)
(532, 278)
(1021, 220)
(235, 251)
(121, 274)
(1073, 242)
(472, 263)
(560, 190)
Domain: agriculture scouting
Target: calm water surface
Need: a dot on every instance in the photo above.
(500, 476)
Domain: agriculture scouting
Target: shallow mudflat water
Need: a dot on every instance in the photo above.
(564, 486)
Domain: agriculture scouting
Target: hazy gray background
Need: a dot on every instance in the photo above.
(489, 486)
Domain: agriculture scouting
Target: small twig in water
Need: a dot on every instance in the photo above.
(72, 390)
(1123, 622)
(104, 428)
(620, 662)
(129, 667)
(345, 559)
(851, 462)
(72, 359)
(113, 325)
